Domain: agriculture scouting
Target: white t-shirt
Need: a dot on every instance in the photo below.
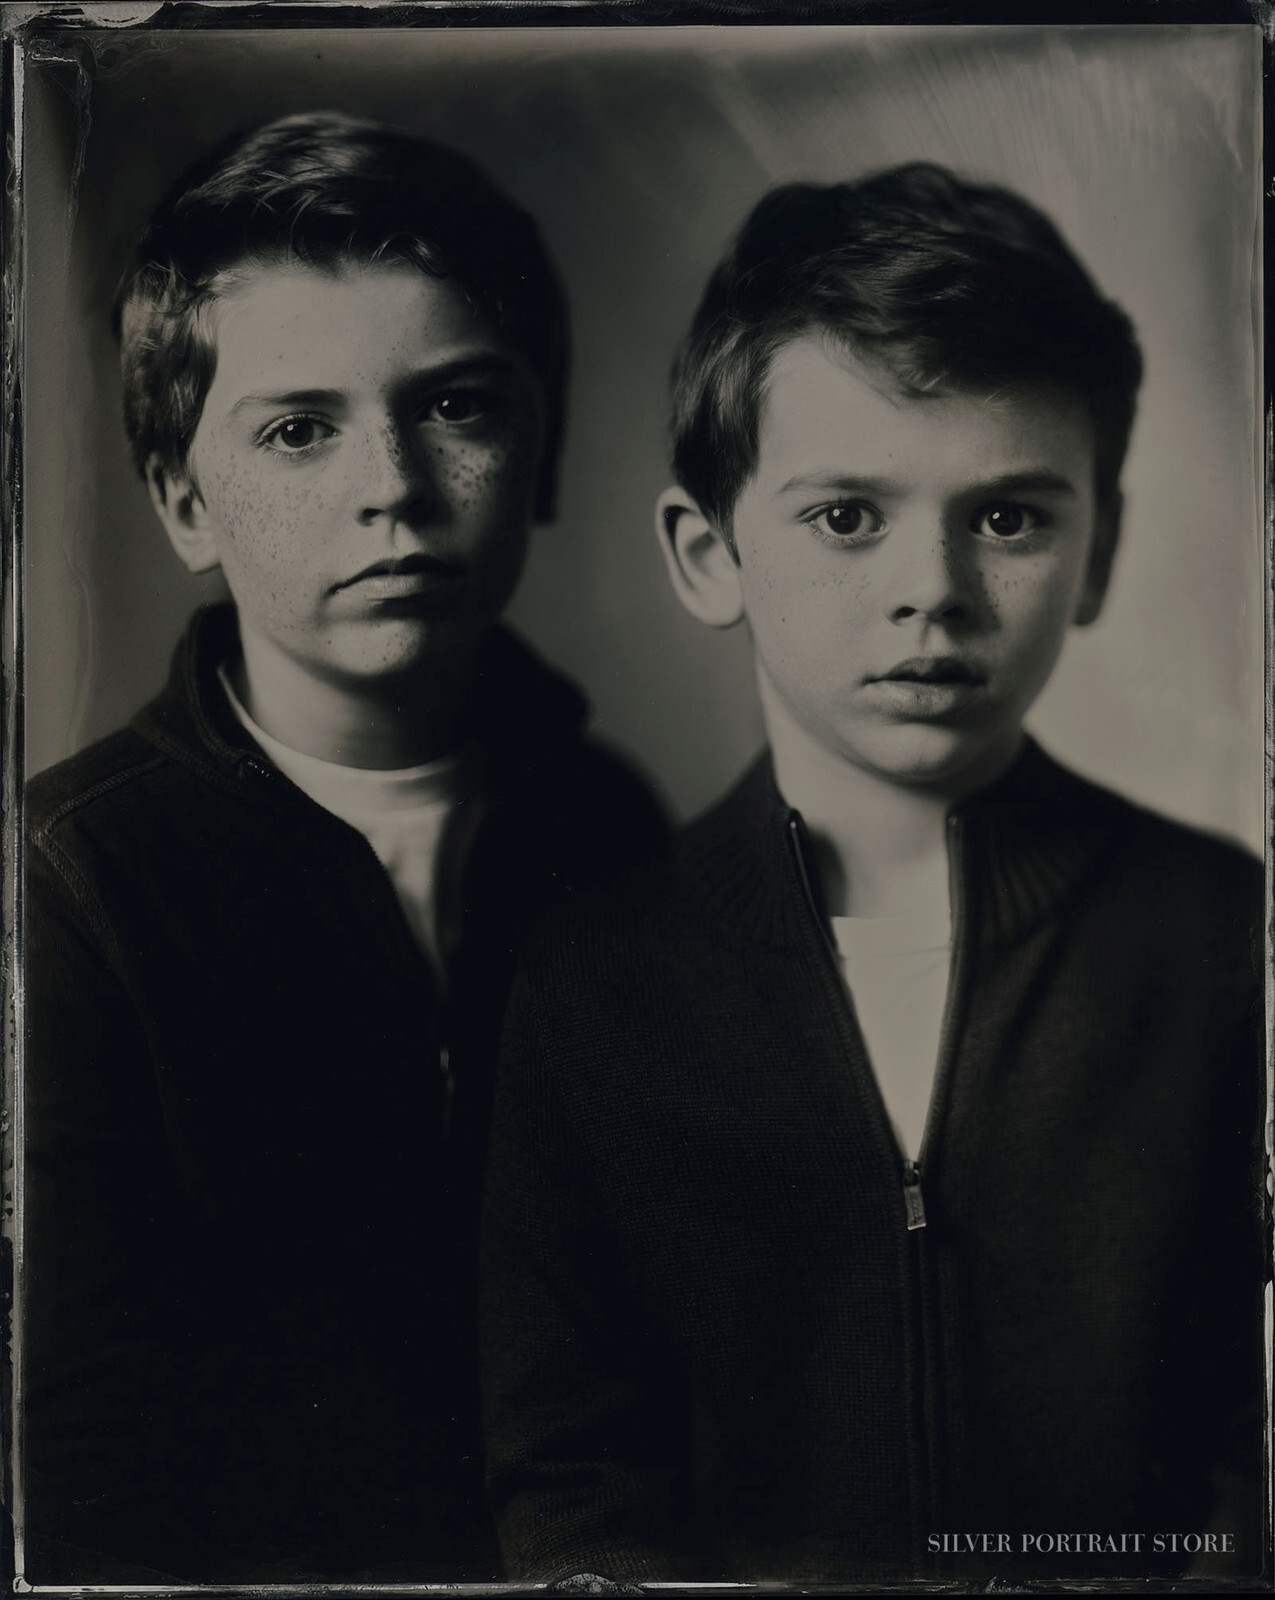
(896, 969)
(409, 816)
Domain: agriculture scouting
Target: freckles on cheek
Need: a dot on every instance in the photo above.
(240, 504)
(1016, 586)
(467, 479)
(843, 592)
(259, 518)
(1009, 592)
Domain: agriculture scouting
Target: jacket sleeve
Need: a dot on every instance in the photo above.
(1238, 1250)
(585, 1411)
(98, 1349)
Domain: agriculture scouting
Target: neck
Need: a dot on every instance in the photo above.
(411, 719)
(880, 847)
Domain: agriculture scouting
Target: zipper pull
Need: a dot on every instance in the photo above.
(449, 1087)
(913, 1203)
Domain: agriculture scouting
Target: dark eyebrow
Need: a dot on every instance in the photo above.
(1038, 481)
(287, 399)
(1041, 482)
(489, 365)
(841, 483)
(428, 378)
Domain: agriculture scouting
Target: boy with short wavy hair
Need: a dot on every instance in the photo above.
(270, 924)
(889, 1166)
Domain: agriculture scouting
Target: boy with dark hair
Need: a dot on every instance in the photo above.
(270, 925)
(874, 1194)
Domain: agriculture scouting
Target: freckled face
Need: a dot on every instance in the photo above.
(365, 464)
(910, 567)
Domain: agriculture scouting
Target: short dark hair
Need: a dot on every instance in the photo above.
(944, 283)
(323, 188)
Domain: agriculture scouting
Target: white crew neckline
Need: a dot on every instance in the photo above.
(355, 790)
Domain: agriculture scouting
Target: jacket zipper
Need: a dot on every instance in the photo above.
(953, 1003)
(916, 1431)
(953, 1012)
(449, 1087)
(265, 771)
(913, 1194)
(913, 1198)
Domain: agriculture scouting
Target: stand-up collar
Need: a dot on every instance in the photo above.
(191, 719)
(522, 710)
(1026, 843)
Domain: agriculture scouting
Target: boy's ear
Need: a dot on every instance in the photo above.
(701, 565)
(1102, 552)
(181, 509)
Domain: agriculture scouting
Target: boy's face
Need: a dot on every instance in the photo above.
(363, 469)
(909, 568)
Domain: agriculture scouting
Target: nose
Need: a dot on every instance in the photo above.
(393, 480)
(931, 578)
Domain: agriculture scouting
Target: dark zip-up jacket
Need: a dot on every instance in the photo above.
(248, 1246)
(731, 1333)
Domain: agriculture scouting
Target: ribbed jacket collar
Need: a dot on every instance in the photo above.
(1026, 843)
(522, 709)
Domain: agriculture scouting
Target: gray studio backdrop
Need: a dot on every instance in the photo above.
(640, 150)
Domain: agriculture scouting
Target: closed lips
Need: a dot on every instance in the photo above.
(930, 669)
(414, 566)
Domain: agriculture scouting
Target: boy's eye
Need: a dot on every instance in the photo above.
(459, 405)
(1005, 520)
(846, 519)
(297, 433)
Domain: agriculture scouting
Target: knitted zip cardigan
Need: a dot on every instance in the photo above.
(250, 1194)
(717, 1343)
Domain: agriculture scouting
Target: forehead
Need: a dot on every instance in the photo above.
(825, 410)
(296, 326)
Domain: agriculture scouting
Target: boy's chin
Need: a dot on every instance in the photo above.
(403, 647)
(925, 758)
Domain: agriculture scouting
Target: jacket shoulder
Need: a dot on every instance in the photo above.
(1168, 887)
(589, 814)
(649, 917)
(1179, 851)
(1215, 852)
(73, 789)
(595, 773)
